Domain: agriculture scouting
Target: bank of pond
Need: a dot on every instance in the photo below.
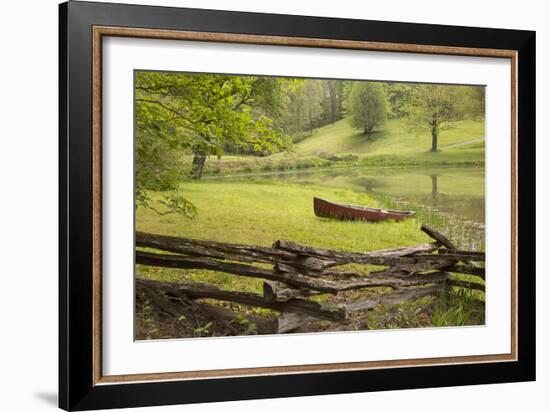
(257, 210)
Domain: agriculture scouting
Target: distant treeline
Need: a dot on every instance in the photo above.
(299, 106)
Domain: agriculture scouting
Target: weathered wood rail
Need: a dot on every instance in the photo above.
(293, 273)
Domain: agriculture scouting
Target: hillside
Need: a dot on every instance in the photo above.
(460, 144)
(394, 138)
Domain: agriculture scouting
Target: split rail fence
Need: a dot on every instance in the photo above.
(294, 273)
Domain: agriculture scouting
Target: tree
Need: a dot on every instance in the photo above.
(397, 97)
(304, 106)
(201, 113)
(335, 94)
(313, 103)
(367, 106)
(472, 102)
(433, 105)
(313, 95)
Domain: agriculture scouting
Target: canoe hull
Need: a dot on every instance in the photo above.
(324, 208)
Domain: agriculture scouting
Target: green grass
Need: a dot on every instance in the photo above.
(260, 212)
(339, 145)
(278, 162)
(435, 192)
(462, 307)
(395, 137)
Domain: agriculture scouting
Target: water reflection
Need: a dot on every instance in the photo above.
(458, 192)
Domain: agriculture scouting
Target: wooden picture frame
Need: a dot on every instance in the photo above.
(82, 384)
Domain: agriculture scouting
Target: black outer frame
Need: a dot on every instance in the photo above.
(76, 389)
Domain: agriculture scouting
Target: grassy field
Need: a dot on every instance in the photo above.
(444, 191)
(260, 212)
(262, 209)
(394, 138)
(339, 145)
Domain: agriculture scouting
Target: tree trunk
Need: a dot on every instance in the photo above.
(435, 192)
(434, 139)
(198, 165)
(334, 115)
(366, 131)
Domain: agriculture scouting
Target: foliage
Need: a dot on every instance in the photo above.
(202, 330)
(202, 113)
(457, 307)
(398, 96)
(337, 95)
(313, 104)
(205, 111)
(306, 108)
(312, 100)
(367, 106)
(259, 125)
(432, 105)
(250, 327)
(342, 146)
(472, 102)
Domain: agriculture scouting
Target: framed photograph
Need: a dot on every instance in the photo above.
(256, 206)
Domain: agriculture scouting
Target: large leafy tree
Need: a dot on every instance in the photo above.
(431, 106)
(398, 96)
(201, 113)
(367, 106)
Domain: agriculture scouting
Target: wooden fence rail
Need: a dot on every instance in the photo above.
(293, 273)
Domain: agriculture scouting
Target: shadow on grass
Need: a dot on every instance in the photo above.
(361, 138)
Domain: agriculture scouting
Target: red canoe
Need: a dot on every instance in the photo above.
(324, 208)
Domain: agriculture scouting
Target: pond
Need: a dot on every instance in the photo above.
(449, 199)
